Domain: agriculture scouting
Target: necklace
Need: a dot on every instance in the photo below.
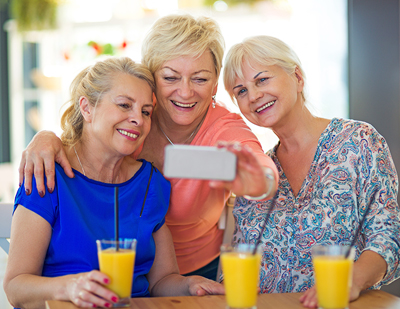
(83, 170)
(197, 127)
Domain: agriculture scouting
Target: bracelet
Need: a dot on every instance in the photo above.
(269, 174)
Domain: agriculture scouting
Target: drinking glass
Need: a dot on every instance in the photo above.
(241, 269)
(333, 275)
(118, 265)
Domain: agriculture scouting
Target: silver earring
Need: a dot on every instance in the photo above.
(213, 101)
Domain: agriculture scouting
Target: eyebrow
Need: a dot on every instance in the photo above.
(255, 76)
(197, 72)
(133, 100)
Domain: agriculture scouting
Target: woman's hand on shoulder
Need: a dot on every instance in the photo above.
(88, 290)
(38, 159)
(199, 286)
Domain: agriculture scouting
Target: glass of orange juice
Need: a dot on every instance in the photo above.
(333, 275)
(118, 265)
(241, 269)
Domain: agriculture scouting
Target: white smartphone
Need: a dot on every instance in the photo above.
(199, 162)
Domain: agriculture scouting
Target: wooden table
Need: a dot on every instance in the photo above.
(369, 299)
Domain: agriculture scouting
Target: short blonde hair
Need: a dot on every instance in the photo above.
(92, 83)
(173, 36)
(263, 50)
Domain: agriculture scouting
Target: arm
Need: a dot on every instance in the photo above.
(368, 270)
(23, 283)
(42, 151)
(251, 178)
(164, 278)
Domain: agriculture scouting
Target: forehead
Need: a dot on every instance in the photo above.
(250, 70)
(127, 85)
(191, 64)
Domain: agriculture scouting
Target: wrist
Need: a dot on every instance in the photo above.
(270, 177)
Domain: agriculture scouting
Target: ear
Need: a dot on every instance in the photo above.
(154, 99)
(300, 80)
(86, 109)
(215, 90)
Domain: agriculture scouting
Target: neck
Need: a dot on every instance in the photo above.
(175, 133)
(95, 164)
(300, 131)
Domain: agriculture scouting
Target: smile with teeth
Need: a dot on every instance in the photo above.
(127, 133)
(265, 106)
(183, 105)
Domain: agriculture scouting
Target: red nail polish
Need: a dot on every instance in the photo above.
(114, 299)
(108, 305)
(94, 306)
(41, 193)
(50, 190)
(27, 192)
(106, 281)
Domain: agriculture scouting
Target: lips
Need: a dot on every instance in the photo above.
(184, 105)
(128, 134)
(265, 106)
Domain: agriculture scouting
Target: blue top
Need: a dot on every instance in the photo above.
(81, 210)
(352, 160)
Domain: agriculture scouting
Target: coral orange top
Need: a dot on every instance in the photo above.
(195, 208)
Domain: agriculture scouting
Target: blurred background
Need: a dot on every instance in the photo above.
(349, 50)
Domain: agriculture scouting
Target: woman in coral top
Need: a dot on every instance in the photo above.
(185, 56)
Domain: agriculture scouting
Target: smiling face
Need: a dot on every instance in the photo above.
(267, 95)
(121, 120)
(184, 88)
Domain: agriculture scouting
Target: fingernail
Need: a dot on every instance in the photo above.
(106, 280)
(50, 190)
(114, 299)
(108, 305)
(20, 184)
(94, 306)
(27, 192)
(41, 193)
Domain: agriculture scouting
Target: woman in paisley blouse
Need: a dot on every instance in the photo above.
(329, 170)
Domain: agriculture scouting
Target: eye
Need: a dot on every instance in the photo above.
(170, 78)
(124, 105)
(146, 113)
(200, 80)
(241, 92)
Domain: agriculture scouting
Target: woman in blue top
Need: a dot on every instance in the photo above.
(329, 171)
(52, 251)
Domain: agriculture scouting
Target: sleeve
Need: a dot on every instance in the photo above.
(163, 192)
(382, 225)
(42, 206)
(233, 128)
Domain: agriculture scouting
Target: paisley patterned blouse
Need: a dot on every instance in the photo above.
(352, 161)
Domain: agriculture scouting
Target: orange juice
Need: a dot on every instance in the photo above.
(333, 276)
(241, 272)
(118, 266)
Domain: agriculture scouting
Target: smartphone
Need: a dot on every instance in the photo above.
(199, 162)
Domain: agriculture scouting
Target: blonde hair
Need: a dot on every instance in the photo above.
(173, 36)
(263, 50)
(92, 83)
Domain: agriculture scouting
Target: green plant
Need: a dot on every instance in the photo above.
(34, 14)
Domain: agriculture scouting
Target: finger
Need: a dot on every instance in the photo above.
(95, 283)
(21, 169)
(39, 177)
(28, 172)
(49, 168)
(91, 300)
(61, 158)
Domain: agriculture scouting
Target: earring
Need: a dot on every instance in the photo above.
(213, 101)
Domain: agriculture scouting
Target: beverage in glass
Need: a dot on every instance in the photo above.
(333, 275)
(241, 269)
(118, 265)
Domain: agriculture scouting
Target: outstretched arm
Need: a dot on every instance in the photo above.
(38, 159)
(252, 178)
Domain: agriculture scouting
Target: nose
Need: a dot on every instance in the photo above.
(136, 117)
(185, 89)
(254, 94)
